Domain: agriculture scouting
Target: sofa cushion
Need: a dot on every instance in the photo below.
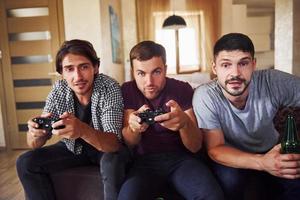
(81, 183)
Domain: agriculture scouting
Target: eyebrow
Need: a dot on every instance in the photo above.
(81, 64)
(157, 68)
(242, 59)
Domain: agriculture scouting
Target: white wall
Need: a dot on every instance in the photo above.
(129, 32)
(287, 36)
(258, 28)
(82, 21)
(284, 35)
(115, 70)
(89, 21)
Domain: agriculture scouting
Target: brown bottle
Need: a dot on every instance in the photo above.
(290, 142)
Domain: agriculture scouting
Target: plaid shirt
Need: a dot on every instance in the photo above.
(106, 108)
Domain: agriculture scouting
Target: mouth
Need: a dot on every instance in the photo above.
(235, 83)
(80, 84)
(150, 89)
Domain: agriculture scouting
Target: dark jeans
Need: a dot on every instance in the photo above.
(151, 174)
(35, 166)
(234, 183)
(114, 167)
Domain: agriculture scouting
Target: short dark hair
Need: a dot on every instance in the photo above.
(234, 41)
(77, 47)
(146, 50)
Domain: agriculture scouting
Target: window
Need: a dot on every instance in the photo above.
(189, 55)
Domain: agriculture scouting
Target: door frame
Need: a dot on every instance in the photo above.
(4, 61)
(7, 75)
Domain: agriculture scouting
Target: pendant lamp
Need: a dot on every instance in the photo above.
(174, 22)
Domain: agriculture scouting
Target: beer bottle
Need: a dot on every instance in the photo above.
(290, 142)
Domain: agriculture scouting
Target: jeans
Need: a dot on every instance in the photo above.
(35, 166)
(151, 174)
(234, 182)
(113, 169)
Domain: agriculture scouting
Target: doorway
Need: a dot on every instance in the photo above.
(30, 34)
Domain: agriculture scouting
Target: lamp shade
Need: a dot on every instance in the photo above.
(174, 22)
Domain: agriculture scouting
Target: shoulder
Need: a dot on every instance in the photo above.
(60, 87)
(130, 90)
(210, 88)
(178, 85)
(129, 86)
(103, 81)
(271, 74)
(273, 77)
(177, 82)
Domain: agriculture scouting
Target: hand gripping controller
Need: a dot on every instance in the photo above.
(46, 123)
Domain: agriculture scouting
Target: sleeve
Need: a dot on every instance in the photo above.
(285, 88)
(50, 104)
(185, 97)
(205, 110)
(112, 111)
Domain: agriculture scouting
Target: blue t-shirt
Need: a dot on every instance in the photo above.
(157, 139)
(250, 129)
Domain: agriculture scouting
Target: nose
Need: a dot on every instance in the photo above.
(149, 79)
(235, 70)
(77, 73)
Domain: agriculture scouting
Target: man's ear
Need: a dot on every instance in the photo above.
(254, 64)
(213, 67)
(96, 70)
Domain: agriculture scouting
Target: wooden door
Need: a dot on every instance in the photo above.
(31, 32)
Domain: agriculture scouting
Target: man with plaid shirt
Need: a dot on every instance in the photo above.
(88, 106)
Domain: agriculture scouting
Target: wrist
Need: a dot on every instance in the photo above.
(185, 123)
(134, 131)
(259, 162)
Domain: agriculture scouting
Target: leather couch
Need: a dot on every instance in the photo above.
(85, 183)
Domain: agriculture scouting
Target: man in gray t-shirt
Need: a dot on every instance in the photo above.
(236, 113)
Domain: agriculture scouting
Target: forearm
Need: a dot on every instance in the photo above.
(235, 158)
(131, 138)
(191, 136)
(102, 141)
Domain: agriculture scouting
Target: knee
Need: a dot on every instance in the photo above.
(24, 163)
(115, 161)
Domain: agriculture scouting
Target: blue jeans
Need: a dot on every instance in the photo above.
(234, 182)
(150, 175)
(113, 169)
(35, 166)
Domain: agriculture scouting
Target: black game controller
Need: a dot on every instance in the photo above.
(46, 123)
(148, 115)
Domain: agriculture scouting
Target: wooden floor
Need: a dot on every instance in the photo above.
(10, 187)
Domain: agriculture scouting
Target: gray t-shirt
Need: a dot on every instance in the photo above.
(250, 129)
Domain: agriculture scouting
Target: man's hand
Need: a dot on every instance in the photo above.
(173, 120)
(74, 128)
(36, 137)
(281, 165)
(134, 121)
(33, 127)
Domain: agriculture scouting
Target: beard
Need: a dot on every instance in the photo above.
(235, 92)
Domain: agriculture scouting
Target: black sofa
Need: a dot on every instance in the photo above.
(84, 183)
